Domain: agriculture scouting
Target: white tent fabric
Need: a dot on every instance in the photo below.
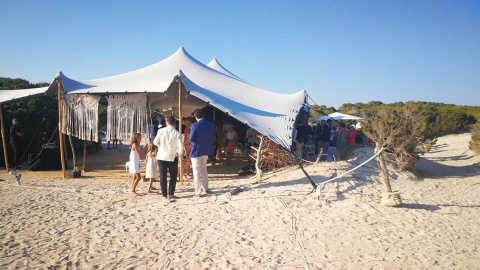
(271, 114)
(337, 116)
(214, 64)
(19, 94)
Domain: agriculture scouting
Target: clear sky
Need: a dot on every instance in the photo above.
(338, 51)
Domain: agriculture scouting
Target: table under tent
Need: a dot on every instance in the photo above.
(179, 82)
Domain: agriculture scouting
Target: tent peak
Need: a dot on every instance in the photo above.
(214, 64)
(181, 49)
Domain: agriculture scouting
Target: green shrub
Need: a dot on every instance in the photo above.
(475, 142)
(400, 131)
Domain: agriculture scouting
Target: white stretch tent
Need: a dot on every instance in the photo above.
(214, 64)
(338, 116)
(271, 114)
(19, 94)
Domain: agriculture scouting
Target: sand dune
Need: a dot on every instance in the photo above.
(276, 223)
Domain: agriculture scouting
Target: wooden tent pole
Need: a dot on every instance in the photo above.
(148, 126)
(84, 155)
(257, 162)
(3, 139)
(150, 111)
(180, 158)
(151, 121)
(60, 135)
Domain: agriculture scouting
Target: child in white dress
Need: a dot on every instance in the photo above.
(134, 165)
(152, 165)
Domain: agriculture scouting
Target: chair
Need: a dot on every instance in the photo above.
(127, 166)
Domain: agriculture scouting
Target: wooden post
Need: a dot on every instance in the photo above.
(60, 135)
(150, 111)
(151, 120)
(65, 152)
(257, 163)
(383, 167)
(299, 163)
(3, 139)
(84, 156)
(180, 158)
(74, 155)
(148, 126)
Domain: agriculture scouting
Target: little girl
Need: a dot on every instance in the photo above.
(232, 141)
(152, 165)
(134, 165)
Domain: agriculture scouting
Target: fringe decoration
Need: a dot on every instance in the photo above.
(80, 116)
(127, 114)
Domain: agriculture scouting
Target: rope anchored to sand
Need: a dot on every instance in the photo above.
(347, 172)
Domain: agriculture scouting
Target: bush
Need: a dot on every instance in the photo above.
(475, 142)
(400, 131)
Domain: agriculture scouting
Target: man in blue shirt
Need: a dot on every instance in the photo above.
(202, 136)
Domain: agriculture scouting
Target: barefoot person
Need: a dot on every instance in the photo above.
(16, 139)
(151, 170)
(134, 165)
(202, 135)
(170, 147)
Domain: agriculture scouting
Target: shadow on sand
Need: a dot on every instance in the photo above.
(431, 169)
(434, 207)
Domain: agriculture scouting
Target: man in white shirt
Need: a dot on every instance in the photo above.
(170, 147)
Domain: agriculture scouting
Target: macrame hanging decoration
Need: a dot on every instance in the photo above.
(80, 116)
(127, 114)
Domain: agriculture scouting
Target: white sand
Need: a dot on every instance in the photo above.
(93, 222)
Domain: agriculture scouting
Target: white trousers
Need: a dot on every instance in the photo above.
(200, 175)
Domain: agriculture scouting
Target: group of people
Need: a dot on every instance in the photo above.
(195, 145)
(328, 140)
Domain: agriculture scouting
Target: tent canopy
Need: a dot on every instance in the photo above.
(214, 64)
(337, 116)
(7, 96)
(271, 114)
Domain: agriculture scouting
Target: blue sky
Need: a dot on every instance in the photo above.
(338, 51)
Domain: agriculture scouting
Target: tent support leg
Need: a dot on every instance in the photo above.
(180, 158)
(297, 160)
(84, 156)
(257, 162)
(3, 139)
(151, 121)
(148, 126)
(60, 135)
